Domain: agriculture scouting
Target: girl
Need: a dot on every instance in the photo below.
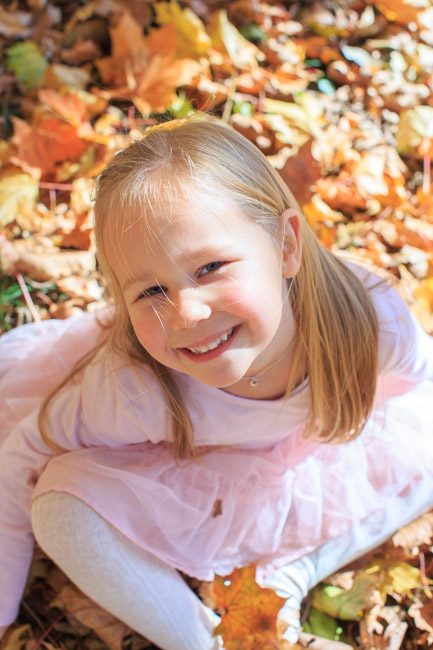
(254, 399)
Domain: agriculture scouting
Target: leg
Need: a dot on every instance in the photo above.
(133, 585)
(295, 580)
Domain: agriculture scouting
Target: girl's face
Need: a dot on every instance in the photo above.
(206, 293)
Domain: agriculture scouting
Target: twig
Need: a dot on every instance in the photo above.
(55, 186)
(28, 298)
(427, 590)
(47, 632)
(426, 165)
(228, 108)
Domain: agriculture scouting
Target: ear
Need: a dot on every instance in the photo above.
(292, 244)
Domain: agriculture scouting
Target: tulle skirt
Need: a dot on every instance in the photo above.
(234, 506)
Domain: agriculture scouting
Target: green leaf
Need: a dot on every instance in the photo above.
(28, 64)
(322, 625)
(347, 605)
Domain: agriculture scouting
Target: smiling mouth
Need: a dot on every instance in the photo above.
(202, 349)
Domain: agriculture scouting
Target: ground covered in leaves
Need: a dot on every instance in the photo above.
(338, 94)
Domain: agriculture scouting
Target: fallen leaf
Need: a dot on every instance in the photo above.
(248, 612)
(43, 263)
(18, 195)
(57, 76)
(402, 11)
(45, 144)
(86, 611)
(28, 64)
(191, 38)
(15, 23)
(415, 127)
(347, 605)
(226, 38)
(300, 172)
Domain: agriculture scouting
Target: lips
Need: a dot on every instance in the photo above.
(201, 349)
(212, 348)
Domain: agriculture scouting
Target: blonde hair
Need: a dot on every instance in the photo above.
(336, 320)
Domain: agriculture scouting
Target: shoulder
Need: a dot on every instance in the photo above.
(118, 393)
(402, 341)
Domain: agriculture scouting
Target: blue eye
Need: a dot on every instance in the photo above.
(208, 268)
(152, 291)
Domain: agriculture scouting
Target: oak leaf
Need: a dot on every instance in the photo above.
(248, 612)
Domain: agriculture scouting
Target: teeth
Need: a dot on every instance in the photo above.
(211, 346)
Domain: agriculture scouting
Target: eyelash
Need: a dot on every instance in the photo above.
(156, 290)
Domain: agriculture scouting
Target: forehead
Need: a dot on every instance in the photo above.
(184, 222)
(189, 227)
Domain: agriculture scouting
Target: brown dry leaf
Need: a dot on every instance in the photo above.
(106, 626)
(15, 24)
(248, 612)
(58, 76)
(42, 262)
(76, 286)
(17, 638)
(422, 613)
(301, 172)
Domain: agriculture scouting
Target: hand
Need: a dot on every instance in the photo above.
(292, 582)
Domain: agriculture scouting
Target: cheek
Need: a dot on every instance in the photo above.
(254, 301)
(148, 329)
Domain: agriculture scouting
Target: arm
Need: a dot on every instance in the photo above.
(295, 580)
(101, 411)
(405, 349)
(23, 456)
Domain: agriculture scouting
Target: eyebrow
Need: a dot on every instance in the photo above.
(208, 251)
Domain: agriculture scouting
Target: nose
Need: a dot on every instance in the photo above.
(189, 308)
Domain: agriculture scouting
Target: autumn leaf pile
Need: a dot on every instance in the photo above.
(339, 96)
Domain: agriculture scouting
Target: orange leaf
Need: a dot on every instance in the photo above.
(68, 106)
(248, 612)
(43, 146)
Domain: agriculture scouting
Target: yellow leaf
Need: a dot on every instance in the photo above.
(404, 578)
(416, 125)
(18, 195)
(316, 210)
(306, 116)
(226, 38)
(402, 11)
(192, 40)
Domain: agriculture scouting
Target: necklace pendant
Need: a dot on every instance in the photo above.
(254, 382)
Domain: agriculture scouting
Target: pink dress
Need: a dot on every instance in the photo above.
(269, 495)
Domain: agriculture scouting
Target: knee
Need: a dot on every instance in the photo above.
(52, 515)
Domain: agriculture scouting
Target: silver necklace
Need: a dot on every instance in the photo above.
(254, 379)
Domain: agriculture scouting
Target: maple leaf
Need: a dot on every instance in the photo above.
(46, 144)
(248, 612)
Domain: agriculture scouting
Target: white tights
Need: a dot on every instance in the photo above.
(151, 597)
(130, 583)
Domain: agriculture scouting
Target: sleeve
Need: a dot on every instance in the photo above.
(23, 456)
(405, 349)
(108, 408)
